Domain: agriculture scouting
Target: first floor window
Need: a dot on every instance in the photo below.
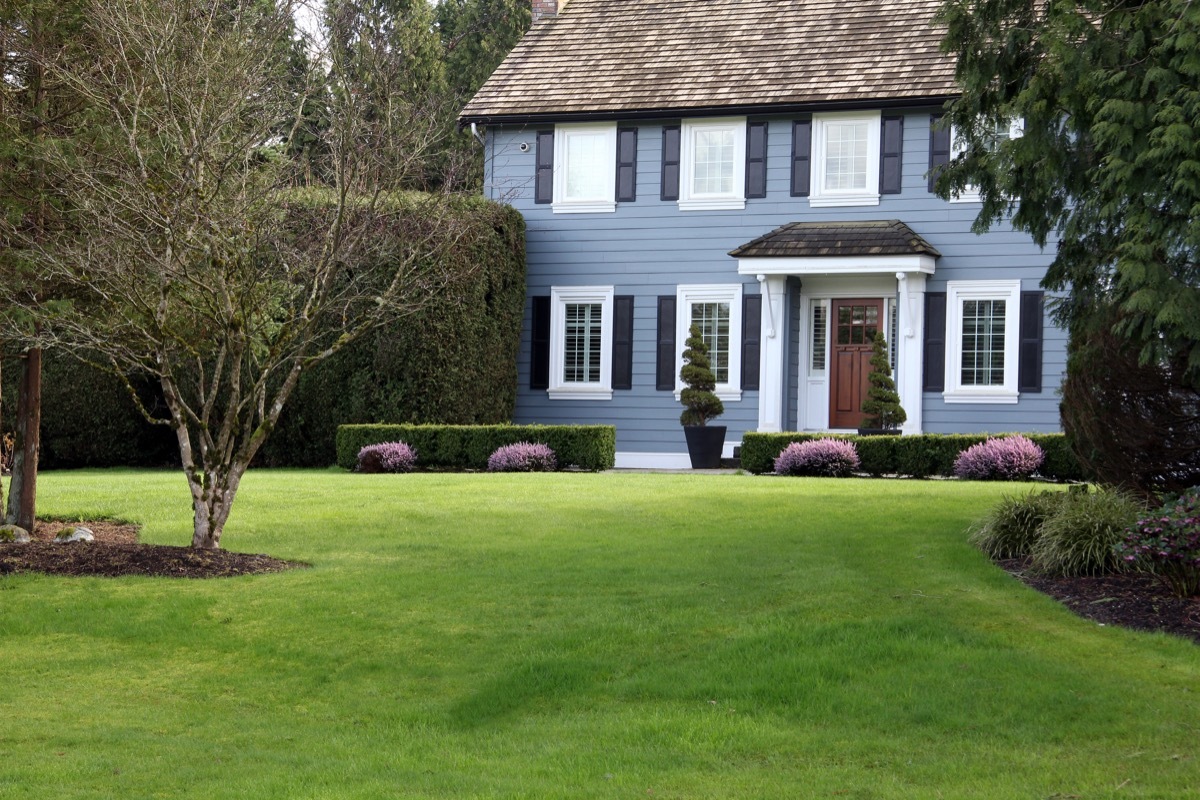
(716, 310)
(981, 341)
(581, 320)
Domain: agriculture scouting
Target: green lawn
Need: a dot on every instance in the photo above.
(579, 635)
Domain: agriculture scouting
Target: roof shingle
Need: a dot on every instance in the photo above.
(889, 237)
(615, 57)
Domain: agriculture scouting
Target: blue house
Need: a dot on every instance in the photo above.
(760, 168)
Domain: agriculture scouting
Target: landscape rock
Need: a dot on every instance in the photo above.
(75, 535)
(14, 533)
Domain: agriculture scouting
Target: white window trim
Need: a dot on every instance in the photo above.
(559, 298)
(970, 194)
(730, 293)
(712, 201)
(956, 293)
(560, 204)
(819, 196)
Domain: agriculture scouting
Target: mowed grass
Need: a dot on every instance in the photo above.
(578, 636)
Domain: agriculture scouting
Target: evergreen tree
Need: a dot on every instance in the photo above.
(700, 404)
(882, 405)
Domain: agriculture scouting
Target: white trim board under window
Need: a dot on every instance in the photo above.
(585, 168)
(845, 159)
(719, 308)
(712, 164)
(581, 322)
(982, 341)
(1013, 129)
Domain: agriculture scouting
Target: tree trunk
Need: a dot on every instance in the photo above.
(22, 489)
(212, 504)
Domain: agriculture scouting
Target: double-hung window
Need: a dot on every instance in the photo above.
(717, 311)
(713, 164)
(845, 161)
(997, 134)
(585, 164)
(581, 321)
(982, 341)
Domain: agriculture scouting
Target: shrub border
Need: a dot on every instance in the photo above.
(456, 447)
(918, 456)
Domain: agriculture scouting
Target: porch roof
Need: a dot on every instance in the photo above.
(889, 237)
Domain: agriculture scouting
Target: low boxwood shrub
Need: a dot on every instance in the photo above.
(827, 458)
(918, 455)
(1080, 537)
(1009, 458)
(1167, 543)
(386, 457)
(456, 447)
(1012, 527)
(522, 457)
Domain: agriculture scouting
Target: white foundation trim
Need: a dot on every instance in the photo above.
(637, 460)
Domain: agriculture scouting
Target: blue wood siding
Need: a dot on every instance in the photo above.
(648, 247)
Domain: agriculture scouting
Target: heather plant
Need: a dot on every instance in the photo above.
(1012, 527)
(1168, 544)
(387, 457)
(832, 458)
(1080, 537)
(522, 457)
(1010, 458)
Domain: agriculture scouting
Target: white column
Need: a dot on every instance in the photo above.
(910, 308)
(770, 365)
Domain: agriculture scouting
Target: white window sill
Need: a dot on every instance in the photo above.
(596, 207)
(730, 204)
(966, 396)
(835, 200)
(724, 395)
(967, 197)
(580, 393)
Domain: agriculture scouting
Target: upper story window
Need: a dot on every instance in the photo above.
(585, 163)
(1000, 132)
(713, 164)
(845, 161)
(982, 338)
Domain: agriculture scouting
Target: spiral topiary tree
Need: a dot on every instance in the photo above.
(882, 404)
(700, 404)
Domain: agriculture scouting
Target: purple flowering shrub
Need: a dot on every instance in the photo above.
(387, 457)
(1010, 458)
(1168, 544)
(830, 458)
(522, 457)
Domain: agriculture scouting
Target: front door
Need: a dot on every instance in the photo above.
(854, 325)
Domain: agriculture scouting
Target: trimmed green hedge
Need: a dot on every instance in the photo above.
(590, 447)
(918, 456)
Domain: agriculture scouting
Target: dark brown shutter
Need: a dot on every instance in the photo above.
(622, 351)
(1029, 358)
(543, 191)
(756, 159)
(939, 148)
(670, 163)
(801, 154)
(664, 380)
(935, 342)
(539, 354)
(751, 339)
(891, 150)
(626, 165)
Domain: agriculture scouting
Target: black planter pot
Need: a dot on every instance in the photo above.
(878, 431)
(705, 443)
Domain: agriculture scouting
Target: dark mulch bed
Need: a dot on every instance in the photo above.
(1132, 600)
(116, 552)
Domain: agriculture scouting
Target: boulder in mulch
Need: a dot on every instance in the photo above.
(14, 534)
(67, 535)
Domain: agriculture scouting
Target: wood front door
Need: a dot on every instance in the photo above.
(854, 325)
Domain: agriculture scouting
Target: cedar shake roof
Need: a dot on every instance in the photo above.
(630, 58)
(889, 237)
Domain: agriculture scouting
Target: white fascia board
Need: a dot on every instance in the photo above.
(836, 265)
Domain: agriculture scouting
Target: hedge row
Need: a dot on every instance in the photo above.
(589, 447)
(919, 456)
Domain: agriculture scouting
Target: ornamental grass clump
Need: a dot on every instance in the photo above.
(1012, 528)
(522, 457)
(826, 458)
(387, 457)
(1168, 544)
(1011, 458)
(1080, 537)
